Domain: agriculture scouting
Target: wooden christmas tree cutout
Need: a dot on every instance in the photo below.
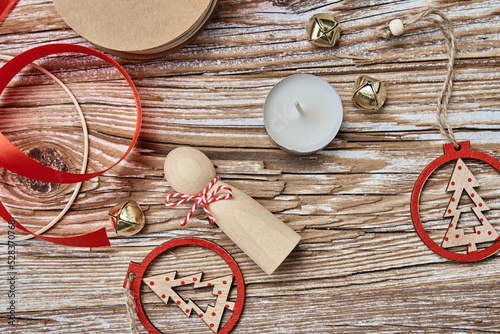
(463, 179)
(163, 286)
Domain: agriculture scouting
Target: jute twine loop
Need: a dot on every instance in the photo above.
(444, 24)
(130, 302)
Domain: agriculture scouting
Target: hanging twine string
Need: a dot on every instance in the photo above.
(201, 199)
(443, 23)
(131, 308)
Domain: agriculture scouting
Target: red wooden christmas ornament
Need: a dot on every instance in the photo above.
(162, 285)
(461, 180)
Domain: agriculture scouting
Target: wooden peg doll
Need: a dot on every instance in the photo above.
(262, 236)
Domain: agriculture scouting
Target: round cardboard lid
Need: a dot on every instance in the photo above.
(136, 26)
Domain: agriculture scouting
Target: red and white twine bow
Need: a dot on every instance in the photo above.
(201, 199)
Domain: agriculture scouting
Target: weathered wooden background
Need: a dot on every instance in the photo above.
(360, 266)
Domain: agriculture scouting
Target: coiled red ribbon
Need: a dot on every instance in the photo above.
(5, 7)
(201, 199)
(14, 160)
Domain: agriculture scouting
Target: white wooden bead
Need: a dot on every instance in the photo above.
(396, 27)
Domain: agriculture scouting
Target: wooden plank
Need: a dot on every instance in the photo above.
(360, 266)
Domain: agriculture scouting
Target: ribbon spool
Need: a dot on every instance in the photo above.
(137, 29)
(14, 160)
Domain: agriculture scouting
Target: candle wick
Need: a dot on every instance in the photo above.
(299, 109)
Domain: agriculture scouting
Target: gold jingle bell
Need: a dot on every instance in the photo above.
(369, 93)
(127, 218)
(323, 30)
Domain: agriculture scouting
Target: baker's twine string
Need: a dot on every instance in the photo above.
(443, 23)
(201, 199)
(131, 308)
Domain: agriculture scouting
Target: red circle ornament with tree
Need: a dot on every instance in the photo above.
(461, 180)
(163, 285)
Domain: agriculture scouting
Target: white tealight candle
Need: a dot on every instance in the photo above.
(303, 113)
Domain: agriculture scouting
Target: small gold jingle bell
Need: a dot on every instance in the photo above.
(127, 218)
(323, 30)
(368, 93)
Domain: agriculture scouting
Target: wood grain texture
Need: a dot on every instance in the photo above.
(360, 266)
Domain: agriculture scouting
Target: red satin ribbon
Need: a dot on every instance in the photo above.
(14, 160)
(5, 7)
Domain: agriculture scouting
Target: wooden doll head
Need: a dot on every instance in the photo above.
(188, 170)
